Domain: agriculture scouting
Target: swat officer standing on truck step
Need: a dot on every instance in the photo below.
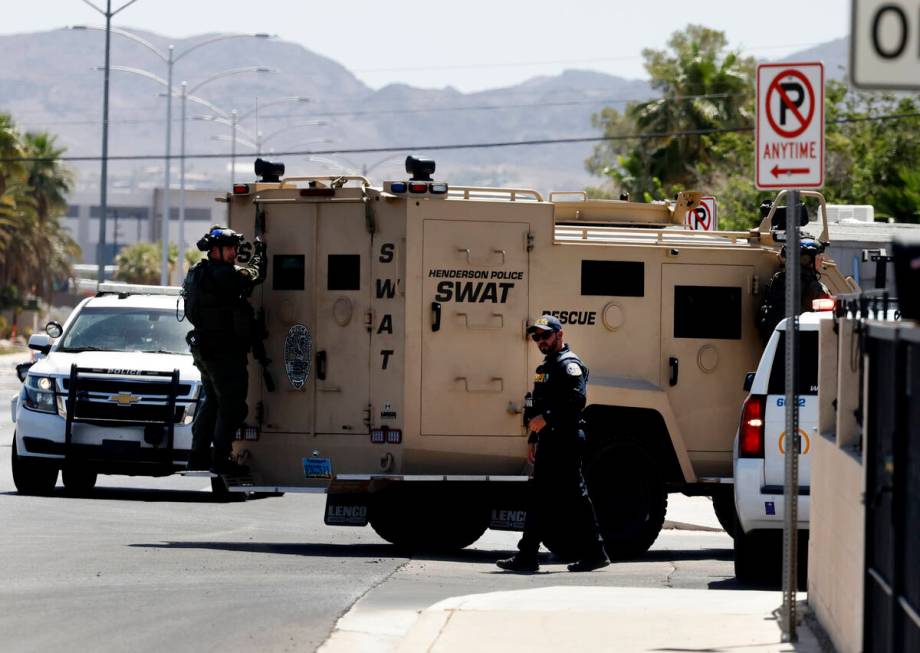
(216, 292)
(773, 308)
(555, 425)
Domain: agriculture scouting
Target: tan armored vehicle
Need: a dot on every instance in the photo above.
(396, 325)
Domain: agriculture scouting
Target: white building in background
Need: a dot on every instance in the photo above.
(137, 215)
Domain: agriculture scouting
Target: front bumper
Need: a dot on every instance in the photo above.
(119, 448)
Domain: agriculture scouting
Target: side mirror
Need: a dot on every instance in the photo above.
(749, 381)
(40, 342)
(22, 369)
(54, 329)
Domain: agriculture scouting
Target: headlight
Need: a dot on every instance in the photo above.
(39, 394)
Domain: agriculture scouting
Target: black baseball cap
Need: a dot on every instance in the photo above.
(545, 323)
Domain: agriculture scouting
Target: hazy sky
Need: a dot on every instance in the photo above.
(469, 44)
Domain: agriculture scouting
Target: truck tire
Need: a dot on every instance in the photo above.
(34, 476)
(78, 480)
(427, 519)
(629, 498)
(723, 504)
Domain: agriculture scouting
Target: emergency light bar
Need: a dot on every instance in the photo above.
(111, 288)
(415, 187)
(823, 304)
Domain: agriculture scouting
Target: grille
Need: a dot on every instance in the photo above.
(90, 384)
(89, 410)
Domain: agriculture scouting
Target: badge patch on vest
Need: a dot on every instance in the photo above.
(540, 378)
(298, 355)
(573, 369)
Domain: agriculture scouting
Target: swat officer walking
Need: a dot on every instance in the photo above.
(556, 439)
(216, 292)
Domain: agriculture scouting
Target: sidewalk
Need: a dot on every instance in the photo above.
(604, 619)
(573, 618)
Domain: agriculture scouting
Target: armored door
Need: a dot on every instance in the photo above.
(285, 301)
(474, 314)
(708, 343)
(343, 329)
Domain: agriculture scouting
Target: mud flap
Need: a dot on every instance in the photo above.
(346, 509)
(509, 510)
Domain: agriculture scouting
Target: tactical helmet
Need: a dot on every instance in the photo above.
(807, 245)
(217, 236)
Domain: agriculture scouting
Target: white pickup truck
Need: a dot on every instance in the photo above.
(113, 391)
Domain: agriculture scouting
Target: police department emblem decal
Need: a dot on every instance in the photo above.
(572, 369)
(298, 355)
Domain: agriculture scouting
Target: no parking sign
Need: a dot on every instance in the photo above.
(790, 125)
(704, 217)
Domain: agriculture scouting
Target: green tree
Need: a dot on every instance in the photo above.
(36, 252)
(703, 88)
(140, 262)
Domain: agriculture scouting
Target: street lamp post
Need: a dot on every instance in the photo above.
(233, 121)
(169, 58)
(186, 94)
(104, 182)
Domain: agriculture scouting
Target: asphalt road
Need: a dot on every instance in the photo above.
(152, 564)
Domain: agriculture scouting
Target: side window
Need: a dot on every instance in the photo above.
(288, 271)
(707, 312)
(808, 365)
(344, 272)
(613, 278)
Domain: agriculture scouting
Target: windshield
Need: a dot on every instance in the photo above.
(119, 329)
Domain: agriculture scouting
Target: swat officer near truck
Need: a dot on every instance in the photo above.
(555, 423)
(773, 308)
(216, 292)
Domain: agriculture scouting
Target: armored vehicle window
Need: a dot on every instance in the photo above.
(613, 278)
(808, 365)
(288, 272)
(710, 312)
(344, 272)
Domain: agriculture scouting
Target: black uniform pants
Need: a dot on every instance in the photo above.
(559, 497)
(224, 382)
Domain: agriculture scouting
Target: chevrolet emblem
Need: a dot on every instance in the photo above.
(124, 399)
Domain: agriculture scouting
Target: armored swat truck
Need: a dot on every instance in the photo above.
(396, 318)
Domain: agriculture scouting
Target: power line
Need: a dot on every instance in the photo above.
(462, 146)
(373, 112)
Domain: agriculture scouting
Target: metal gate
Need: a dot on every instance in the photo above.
(892, 574)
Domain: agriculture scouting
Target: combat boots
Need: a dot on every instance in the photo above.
(519, 563)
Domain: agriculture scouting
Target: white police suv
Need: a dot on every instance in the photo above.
(759, 462)
(113, 391)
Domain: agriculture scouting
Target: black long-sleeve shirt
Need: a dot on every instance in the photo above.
(560, 391)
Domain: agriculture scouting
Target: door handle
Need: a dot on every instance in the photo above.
(435, 316)
(674, 365)
(321, 365)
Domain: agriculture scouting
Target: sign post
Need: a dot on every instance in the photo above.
(790, 155)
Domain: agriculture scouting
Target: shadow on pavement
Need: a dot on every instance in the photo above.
(678, 555)
(735, 584)
(470, 556)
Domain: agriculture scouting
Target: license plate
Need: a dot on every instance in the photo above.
(317, 468)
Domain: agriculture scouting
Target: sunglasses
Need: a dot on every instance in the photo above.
(537, 336)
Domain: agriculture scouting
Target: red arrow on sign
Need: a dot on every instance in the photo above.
(777, 171)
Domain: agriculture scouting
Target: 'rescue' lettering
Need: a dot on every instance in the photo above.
(473, 292)
(587, 318)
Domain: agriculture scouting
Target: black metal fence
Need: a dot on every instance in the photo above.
(892, 426)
